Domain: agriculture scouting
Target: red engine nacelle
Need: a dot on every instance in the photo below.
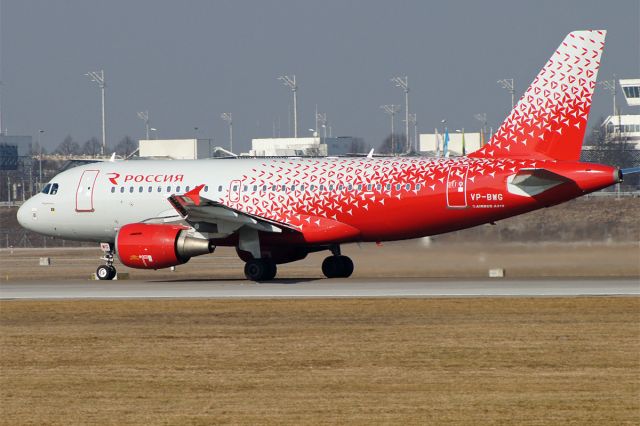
(156, 246)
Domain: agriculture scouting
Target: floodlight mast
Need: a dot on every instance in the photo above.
(413, 119)
(321, 118)
(391, 110)
(611, 86)
(228, 117)
(482, 117)
(507, 83)
(98, 77)
(403, 83)
(144, 116)
(291, 83)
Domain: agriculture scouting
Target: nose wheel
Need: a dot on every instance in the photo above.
(107, 271)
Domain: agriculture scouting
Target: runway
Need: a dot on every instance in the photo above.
(317, 288)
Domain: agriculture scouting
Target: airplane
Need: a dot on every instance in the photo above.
(158, 214)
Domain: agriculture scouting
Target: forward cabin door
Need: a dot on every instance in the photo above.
(457, 186)
(84, 193)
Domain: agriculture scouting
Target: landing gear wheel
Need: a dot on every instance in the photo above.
(112, 271)
(337, 267)
(260, 270)
(105, 272)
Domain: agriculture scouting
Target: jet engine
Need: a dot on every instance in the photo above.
(157, 246)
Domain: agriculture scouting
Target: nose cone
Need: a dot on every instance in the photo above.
(23, 214)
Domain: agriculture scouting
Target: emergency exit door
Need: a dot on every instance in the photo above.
(84, 193)
(457, 186)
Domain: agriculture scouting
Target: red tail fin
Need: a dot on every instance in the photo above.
(550, 119)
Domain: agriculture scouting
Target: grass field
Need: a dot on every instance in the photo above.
(357, 361)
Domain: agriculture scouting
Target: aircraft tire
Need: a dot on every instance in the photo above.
(112, 272)
(104, 273)
(346, 266)
(260, 270)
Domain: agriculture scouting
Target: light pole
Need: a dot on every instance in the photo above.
(391, 110)
(291, 83)
(413, 119)
(403, 83)
(99, 79)
(482, 117)
(611, 86)
(507, 83)
(321, 118)
(144, 116)
(40, 132)
(227, 116)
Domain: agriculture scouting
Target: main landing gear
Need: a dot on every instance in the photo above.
(338, 265)
(260, 269)
(108, 271)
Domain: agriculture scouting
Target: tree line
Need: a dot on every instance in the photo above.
(91, 147)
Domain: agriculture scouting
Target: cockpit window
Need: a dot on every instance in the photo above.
(54, 189)
(46, 188)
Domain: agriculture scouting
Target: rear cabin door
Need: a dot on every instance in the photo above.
(457, 186)
(84, 193)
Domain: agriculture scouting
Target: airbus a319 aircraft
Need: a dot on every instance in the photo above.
(158, 214)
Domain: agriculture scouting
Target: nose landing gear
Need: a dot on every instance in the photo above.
(108, 271)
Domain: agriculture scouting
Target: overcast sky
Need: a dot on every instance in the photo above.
(189, 61)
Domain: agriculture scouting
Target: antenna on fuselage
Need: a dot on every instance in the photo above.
(113, 157)
(370, 154)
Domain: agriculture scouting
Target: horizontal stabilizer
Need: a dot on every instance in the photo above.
(530, 182)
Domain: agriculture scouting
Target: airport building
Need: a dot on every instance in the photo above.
(302, 147)
(175, 149)
(432, 144)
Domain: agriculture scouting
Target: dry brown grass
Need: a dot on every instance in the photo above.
(403, 361)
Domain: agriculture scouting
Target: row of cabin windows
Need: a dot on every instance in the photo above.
(285, 188)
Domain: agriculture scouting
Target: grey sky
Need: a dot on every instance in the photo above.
(189, 61)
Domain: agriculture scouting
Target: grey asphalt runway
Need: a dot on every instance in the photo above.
(317, 288)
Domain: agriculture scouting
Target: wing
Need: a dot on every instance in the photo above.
(222, 219)
(195, 208)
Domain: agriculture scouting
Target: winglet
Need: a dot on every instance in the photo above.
(370, 154)
(194, 194)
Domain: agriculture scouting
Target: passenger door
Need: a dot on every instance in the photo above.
(84, 193)
(457, 186)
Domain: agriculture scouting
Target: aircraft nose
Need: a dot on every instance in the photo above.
(23, 214)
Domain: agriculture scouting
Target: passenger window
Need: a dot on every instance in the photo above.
(54, 189)
(321, 187)
(46, 188)
(113, 189)
(264, 188)
(159, 189)
(273, 187)
(350, 187)
(378, 187)
(293, 187)
(341, 187)
(312, 187)
(407, 186)
(369, 187)
(168, 189)
(418, 186)
(359, 187)
(131, 189)
(220, 188)
(206, 188)
(255, 188)
(188, 188)
(302, 188)
(150, 189)
(388, 187)
(122, 189)
(245, 189)
(330, 187)
(178, 188)
(140, 189)
(235, 188)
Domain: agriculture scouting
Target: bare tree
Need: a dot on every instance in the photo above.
(126, 147)
(91, 147)
(68, 147)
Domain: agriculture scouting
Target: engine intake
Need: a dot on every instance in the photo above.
(156, 246)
